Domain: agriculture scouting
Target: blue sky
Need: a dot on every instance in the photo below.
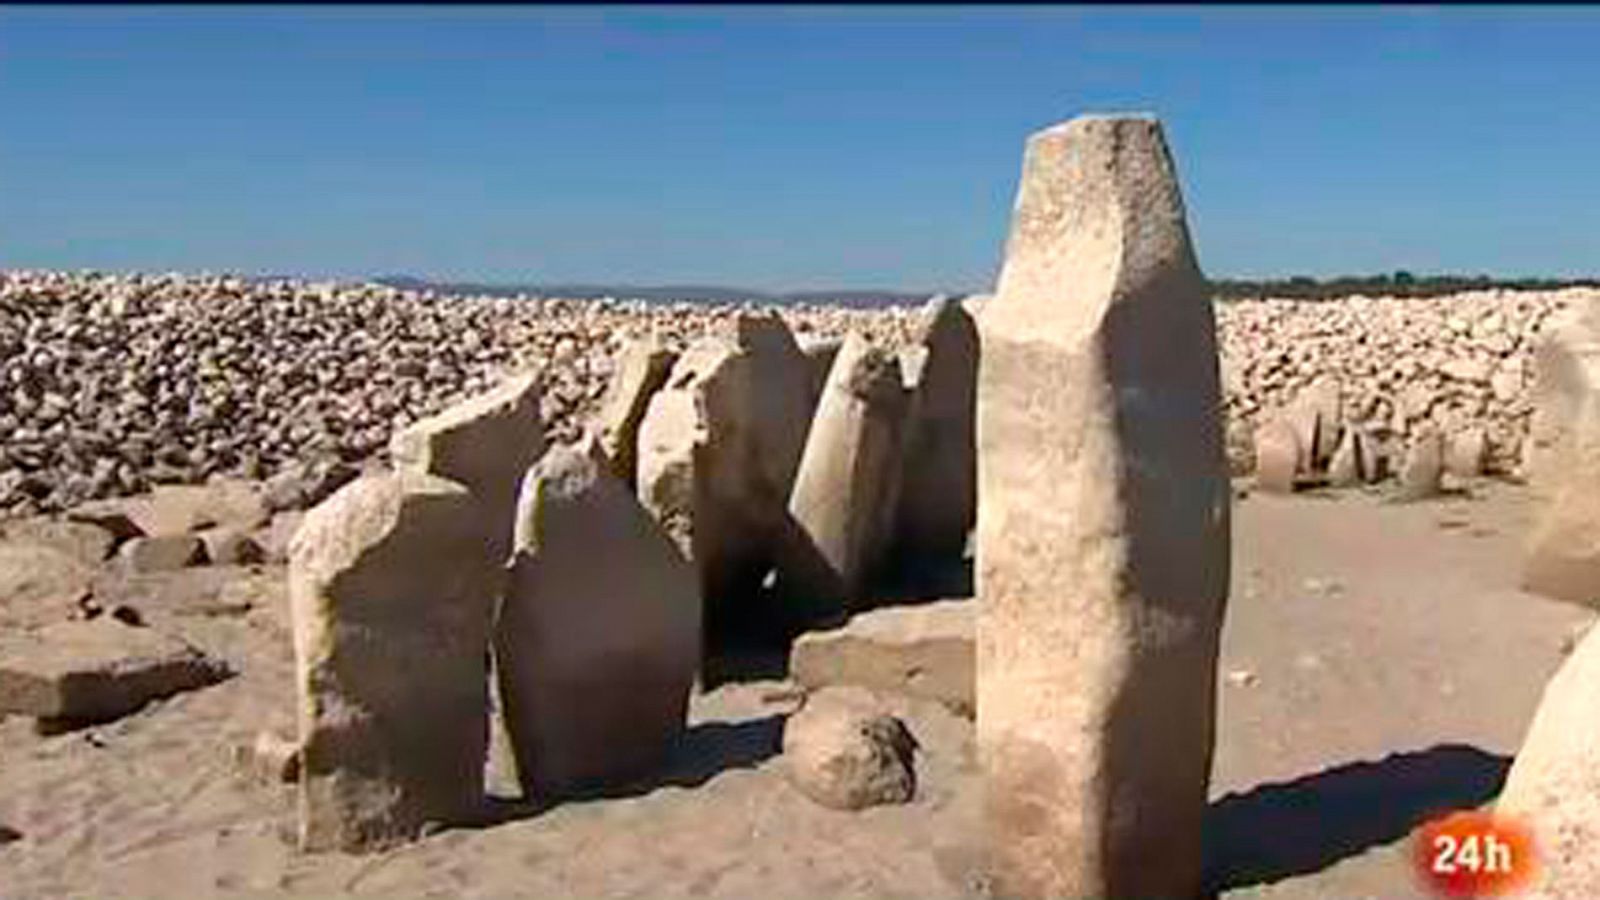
(775, 147)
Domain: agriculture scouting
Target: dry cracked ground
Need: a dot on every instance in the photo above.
(1379, 665)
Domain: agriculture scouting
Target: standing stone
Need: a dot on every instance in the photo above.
(1562, 558)
(1324, 400)
(820, 353)
(1465, 453)
(641, 372)
(1554, 785)
(485, 443)
(844, 494)
(391, 588)
(938, 494)
(1349, 464)
(1566, 361)
(1103, 529)
(718, 452)
(595, 654)
(1423, 469)
(1277, 457)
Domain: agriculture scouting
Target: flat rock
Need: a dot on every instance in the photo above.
(96, 671)
(40, 584)
(162, 553)
(924, 650)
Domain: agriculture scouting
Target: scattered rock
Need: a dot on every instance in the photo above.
(74, 673)
(88, 543)
(844, 753)
(162, 553)
(39, 585)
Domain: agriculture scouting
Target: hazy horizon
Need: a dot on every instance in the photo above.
(779, 149)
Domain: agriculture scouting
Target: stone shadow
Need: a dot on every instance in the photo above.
(1277, 831)
(706, 750)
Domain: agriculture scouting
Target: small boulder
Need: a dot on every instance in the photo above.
(1423, 469)
(845, 753)
(88, 543)
(40, 584)
(162, 553)
(95, 671)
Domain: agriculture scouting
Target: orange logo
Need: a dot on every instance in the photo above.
(1474, 854)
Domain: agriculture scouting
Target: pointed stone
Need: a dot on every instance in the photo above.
(595, 656)
(1422, 472)
(938, 483)
(1103, 526)
(485, 442)
(392, 585)
(642, 369)
(843, 502)
(1351, 463)
(1553, 788)
(1278, 456)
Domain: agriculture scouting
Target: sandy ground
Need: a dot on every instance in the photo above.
(1379, 664)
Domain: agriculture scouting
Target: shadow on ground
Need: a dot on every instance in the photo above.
(1277, 831)
(706, 750)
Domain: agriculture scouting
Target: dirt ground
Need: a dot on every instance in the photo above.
(1379, 664)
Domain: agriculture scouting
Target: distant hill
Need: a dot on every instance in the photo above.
(666, 293)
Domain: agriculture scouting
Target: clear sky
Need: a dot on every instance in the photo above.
(773, 147)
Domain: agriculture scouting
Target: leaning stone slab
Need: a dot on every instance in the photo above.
(1554, 785)
(84, 672)
(1103, 526)
(486, 443)
(642, 369)
(391, 588)
(598, 642)
(938, 494)
(923, 651)
(843, 502)
(820, 352)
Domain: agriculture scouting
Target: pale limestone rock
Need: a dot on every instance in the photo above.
(641, 371)
(923, 650)
(392, 582)
(844, 752)
(1423, 469)
(595, 655)
(1103, 526)
(843, 502)
(485, 443)
(1278, 454)
(1554, 785)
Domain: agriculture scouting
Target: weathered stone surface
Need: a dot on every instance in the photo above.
(1562, 556)
(39, 584)
(485, 443)
(923, 651)
(1423, 469)
(718, 452)
(177, 509)
(206, 592)
(1554, 785)
(231, 547)
(1465, 452)
(820, 352)
(841, 750)
(96, 671)
(1278, 457)
(641, 371)
(87, 543)
(1103, 526)
(1566, 365)
(274, 538)
(161, 553)
(1347, 468)
(938, 494)
(843, 504)
(269, 758)
(595, 655)
(1321, 413)
(392, 585)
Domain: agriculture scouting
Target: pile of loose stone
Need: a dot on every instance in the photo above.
(110, 384)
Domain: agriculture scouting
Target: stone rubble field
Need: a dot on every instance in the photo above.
(111, 384)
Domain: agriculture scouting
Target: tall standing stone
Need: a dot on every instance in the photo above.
(1566, 359)
(595, 654)
(938, 494)
(642, 369)
(843, 502)
(1553, 788)
(486, 443)
(718, 452)
(391, 589)
(1103, 527)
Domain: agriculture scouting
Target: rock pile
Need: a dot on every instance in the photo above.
(110, 384)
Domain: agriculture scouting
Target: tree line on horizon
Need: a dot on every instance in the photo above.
(1397, 284)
